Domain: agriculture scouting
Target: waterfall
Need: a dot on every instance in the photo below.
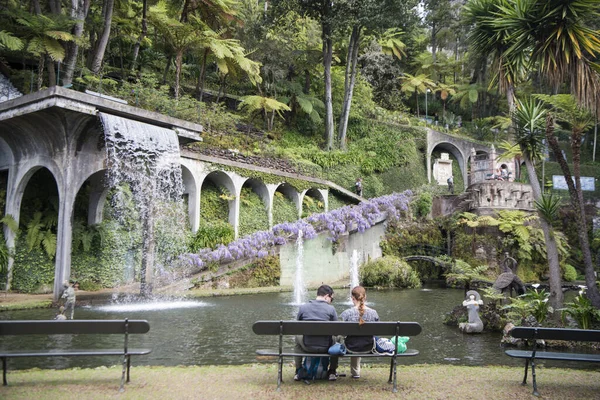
(146, 159)
(354, 269)
(299, 286)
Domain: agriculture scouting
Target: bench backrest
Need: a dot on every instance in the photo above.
(92, 326)
(578, 335)
(336, 328)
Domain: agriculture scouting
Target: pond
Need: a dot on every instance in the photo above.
(218, 330)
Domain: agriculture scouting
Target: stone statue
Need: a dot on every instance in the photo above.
(475, 325)
(508, 280)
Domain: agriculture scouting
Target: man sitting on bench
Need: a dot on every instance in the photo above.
(319, 309)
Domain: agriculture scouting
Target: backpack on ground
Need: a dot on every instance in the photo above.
(314, 368)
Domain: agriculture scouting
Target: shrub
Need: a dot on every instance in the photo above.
(284, 209)
(389, 272)
(422, 206)
(212, 234)
(263, 272)
(569, 273)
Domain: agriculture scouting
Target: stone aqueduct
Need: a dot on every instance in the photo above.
(58, 129)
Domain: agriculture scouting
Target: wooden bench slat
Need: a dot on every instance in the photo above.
(552, 355)
(42, 327)
(578, 335)
(273, 352)
(324, 328)
(72, 352)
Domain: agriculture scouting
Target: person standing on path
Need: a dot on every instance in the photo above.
(358, 187)
(69, 295)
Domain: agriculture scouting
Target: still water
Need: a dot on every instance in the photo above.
(218, 330)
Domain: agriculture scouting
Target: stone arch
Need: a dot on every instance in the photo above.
(457, 152)
(220, 178)
(15, 201)
(260, 189)
(291, 193)
(192, 193)
(313, 193)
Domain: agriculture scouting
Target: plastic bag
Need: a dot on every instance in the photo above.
(401, 345)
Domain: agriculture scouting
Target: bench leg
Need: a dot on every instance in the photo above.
(535, 391)
(128, 366)
(122, 387)
(526, 368)
(4, 371)
(393, 376)
(279, 373)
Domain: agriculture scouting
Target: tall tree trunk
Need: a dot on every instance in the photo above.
(327, 60)
(138, 43)
(100, 49)
(433, 51)
(178, 63)
(417, 97)
(576, 195)
(51, 72)
(167, 67)
(349, 81)
(555, 281)
(40, 77)
(202, 76)
(55, 6)
(327, 32)
(306, 89)
(79, 11)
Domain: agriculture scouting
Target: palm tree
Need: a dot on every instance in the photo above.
(488, 40)
(563, 48)
(417, 84)
(529, 121)
(178, 36)
(44, 35)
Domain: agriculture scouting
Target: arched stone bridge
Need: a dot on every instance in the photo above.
(465, 151)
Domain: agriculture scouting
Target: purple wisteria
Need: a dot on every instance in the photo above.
(337, 222)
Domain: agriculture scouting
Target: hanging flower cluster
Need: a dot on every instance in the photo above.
(337, 222)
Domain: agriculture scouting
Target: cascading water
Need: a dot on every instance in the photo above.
(354, 269)
(299, 286)
(145, 158)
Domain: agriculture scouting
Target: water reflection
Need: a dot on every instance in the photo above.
(219, 330)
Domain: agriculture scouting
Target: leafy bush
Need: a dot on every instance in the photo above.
(389, 272)
(569, 273)
(32, 270)
(422, 205)
(212, 234)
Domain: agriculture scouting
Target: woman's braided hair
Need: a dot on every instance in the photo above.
(359, 294)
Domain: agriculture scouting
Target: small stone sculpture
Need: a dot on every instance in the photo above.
(475, 325)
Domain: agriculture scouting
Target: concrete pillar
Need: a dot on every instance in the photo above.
(271, 189)
(325, 194)
(12, 208)
(64, 236)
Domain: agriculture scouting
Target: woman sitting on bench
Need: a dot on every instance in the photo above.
(359, 313)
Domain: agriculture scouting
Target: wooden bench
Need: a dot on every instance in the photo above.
(334, 328)
(535, 334)
(74, 327)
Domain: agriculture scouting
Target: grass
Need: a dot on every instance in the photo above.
(258, 381)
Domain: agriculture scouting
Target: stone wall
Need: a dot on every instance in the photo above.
(326, 262)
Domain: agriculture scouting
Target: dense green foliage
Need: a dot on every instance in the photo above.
(389, 272)
(214, 203)
(284, 209)
(263, 272)
(253, 213)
